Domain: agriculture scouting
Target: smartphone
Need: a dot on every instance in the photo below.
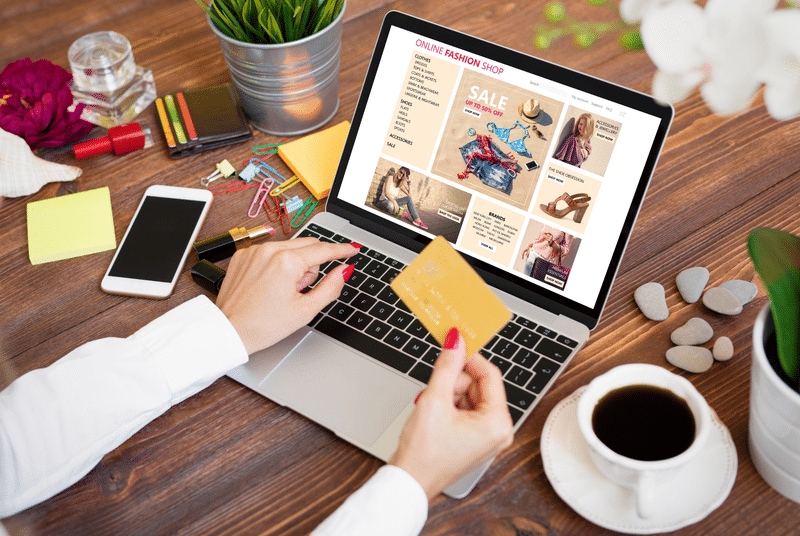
(158, 240)
(533, 164)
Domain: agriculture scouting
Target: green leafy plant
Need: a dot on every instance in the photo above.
(776, 257)
(271, 21)
(584, 33)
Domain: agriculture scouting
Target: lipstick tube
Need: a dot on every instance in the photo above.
(225, 245)
(121, 139)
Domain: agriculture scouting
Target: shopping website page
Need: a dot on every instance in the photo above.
(526, 174)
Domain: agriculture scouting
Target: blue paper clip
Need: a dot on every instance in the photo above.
(267, 170)
(305, 210)
(260, 197)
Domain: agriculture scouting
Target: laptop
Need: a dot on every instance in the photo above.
(533, 172)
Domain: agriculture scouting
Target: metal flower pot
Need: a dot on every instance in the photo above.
(291, 88)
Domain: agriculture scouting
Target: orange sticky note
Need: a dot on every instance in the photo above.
(444, 291)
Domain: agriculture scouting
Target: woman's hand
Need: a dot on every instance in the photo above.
(461, 420)
(261, 294)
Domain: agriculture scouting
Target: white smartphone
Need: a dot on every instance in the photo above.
(155, 246)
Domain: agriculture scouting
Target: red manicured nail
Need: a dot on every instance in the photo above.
(348, 271)
(451, 341)
(356, 245)
(419, 395)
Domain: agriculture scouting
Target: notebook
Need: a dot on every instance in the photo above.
(533, 172)
(314, 158)
(70, 226)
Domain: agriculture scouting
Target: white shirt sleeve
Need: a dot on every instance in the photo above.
(391, 503)
(56, 423)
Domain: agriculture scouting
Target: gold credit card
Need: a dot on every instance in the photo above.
(443, 290)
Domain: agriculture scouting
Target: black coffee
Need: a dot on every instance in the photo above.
(644, 422)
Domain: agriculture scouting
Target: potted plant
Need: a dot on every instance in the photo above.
(775, 370)
(283, 56)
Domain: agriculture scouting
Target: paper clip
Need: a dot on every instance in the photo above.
(224, 169)
(266, 169)
(294, 179)
(260, 197)
(305, 210)
(272, 148)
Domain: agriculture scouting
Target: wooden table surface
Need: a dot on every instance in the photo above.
(227, 461)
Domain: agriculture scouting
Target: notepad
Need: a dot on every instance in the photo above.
(444, 291)
(314, 158)
(70, 226)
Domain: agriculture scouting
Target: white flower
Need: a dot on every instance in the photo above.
(724, 46)
(633, 10)
(781, 73)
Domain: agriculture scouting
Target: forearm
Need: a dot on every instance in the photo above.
(57, 423)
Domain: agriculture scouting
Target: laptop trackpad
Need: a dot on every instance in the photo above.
(340, 389)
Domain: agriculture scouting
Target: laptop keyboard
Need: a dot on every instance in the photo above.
(369, 317)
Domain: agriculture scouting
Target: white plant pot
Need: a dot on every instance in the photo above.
(774, 418)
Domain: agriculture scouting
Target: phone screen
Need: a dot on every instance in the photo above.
(157, 239)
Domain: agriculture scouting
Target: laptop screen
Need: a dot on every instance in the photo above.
(532, 171)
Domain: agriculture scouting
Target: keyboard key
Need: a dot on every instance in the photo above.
(366, 344)
(401, 319)
(320, 230)
(394, 263)
(505, 348)
(397, 338)
(382, 311)
(388, 295)
(306, 232)
(421, 372)
(525, 323)
(527, 338)
(552, 349)
(363, 302)
(567, 342)
(546, 332)
(341, 311)
(378, 329)
(341, 239)
(356, 278)
(519, 376)
(360, 260)
(415, 347)
(543, 372)
(371, 286)
(515, 414)
(509, 330)
(431, 355)
(359, 320)
(501, 363)
(525, 358)
(376, 269)
(375, 255)
(417, 329)
(348, 293)
(517, 397)
(390, 274)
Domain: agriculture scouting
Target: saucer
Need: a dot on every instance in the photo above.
(700, 488)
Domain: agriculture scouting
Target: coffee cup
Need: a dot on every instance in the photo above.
(643, 424)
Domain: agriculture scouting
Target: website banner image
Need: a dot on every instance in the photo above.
(415, 199)
(586, 140)
(566, 197)
(492, 232)
(547, 254)
(496, 138)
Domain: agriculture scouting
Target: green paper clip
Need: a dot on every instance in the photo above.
(273, 148)
(307, 208)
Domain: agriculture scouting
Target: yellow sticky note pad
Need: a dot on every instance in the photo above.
(443, 290)
(70, 226)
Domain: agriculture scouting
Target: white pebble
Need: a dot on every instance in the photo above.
(690, 358)
(744, 291)
(650, 299)
(695, 331)
(723, 349)
(691, 282)
(722, 300)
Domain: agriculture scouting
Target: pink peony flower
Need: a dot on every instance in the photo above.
(35, 102)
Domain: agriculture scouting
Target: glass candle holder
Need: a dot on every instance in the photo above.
(107, 80)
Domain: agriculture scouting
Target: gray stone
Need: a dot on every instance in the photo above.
(745, 291)
(650, 299)
(691, 283)
(723, 349)
(695, 331)
(722, 300)
(690, 358)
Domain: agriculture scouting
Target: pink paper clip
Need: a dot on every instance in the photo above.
(260, 197)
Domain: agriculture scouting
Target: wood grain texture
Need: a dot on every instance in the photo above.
(227, 461)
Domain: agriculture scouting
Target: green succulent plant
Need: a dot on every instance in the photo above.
(271, 21)
(776, 257)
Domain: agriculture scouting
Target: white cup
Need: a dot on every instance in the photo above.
(643, 477)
